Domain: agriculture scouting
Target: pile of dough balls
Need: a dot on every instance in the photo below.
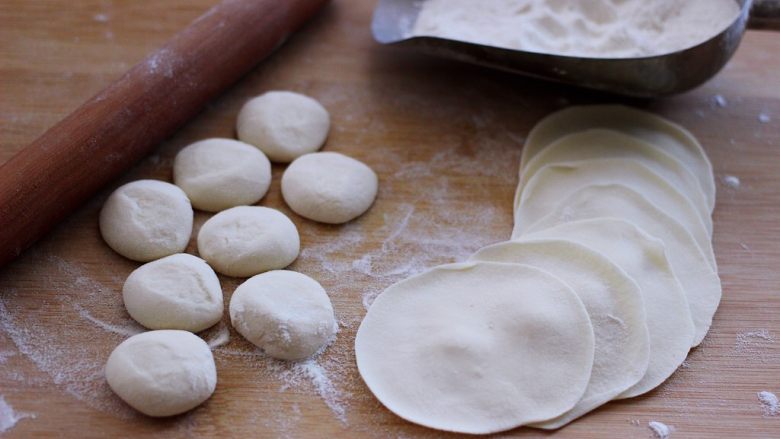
(607, 282)
(169, 370)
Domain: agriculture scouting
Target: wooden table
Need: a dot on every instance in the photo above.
(445, 139)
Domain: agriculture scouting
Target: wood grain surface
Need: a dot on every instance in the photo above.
(445, 139)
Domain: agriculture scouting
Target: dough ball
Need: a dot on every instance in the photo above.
(176, 292)
(285, 313)
(162, 373)
(247, 240)
(284, 125)
(147, 220)
(329, 187)
(218, 174)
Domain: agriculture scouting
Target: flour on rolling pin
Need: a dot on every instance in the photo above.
(597, 29)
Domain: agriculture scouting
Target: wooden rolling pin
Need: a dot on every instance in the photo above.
(59, 171)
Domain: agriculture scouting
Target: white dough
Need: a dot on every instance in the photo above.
(643, 258)
(477, 347)
(329, 187)
(247, 240)
(694, 268)
(661, 133)
(217, 174)
(615, 307)
(285, 313)
(601, 144)
(147, 220)
(555, 182)
(176, 292)
(284, 125)
(162, 373)
(582, 28)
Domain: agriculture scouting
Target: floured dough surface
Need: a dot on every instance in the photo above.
(592, 28)
(162, 373)
(217, 174)
(285, 313)
(147, 220)
(643, 258)
(329, 187)
(554, 183)
(614, 304)
(659, 132)
(693, 267)
(283, 124)
(248, 240)
(176, 292)
(610, 144)
(507, 345)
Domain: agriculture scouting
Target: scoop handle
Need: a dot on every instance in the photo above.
(765, 14)
(59, 171)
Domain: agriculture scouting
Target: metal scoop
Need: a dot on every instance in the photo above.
(646, 77)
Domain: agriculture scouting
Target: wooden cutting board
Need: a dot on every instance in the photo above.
(445, 139)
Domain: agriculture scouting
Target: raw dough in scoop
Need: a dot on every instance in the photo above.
(477, 347)
(614, 304)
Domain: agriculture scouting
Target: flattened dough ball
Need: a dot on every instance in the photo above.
(162, 373)
(217, 174)
(247, 240)
(285, 313)
(615, 306)
(329, 187)
(176, 292)
(147, 220)
(477, 347)
(284, 125)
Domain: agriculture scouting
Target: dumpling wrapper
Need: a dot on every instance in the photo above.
(663, 134)
(557, 181)
(615, 306)
(476, 347)
(642, 257)
(608, 144)
(695, 269)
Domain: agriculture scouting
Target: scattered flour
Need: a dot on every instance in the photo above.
(764, 118)
(5, 355)
(9, 417)
(100, 18)
(217, 336)
(720, 101)
(128, 330)
(769, 402)
(660, 430)
(161, 62)
(754, 344)
(731, 181)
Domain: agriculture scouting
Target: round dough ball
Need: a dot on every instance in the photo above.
(285, 313)
(147, 220)
(284, 125)
(218, 174)
(176, 292)
(247, 240)
(477, 347)
(162, 373)
(329, 187)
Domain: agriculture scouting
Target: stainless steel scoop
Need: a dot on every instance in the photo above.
(647, 77)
